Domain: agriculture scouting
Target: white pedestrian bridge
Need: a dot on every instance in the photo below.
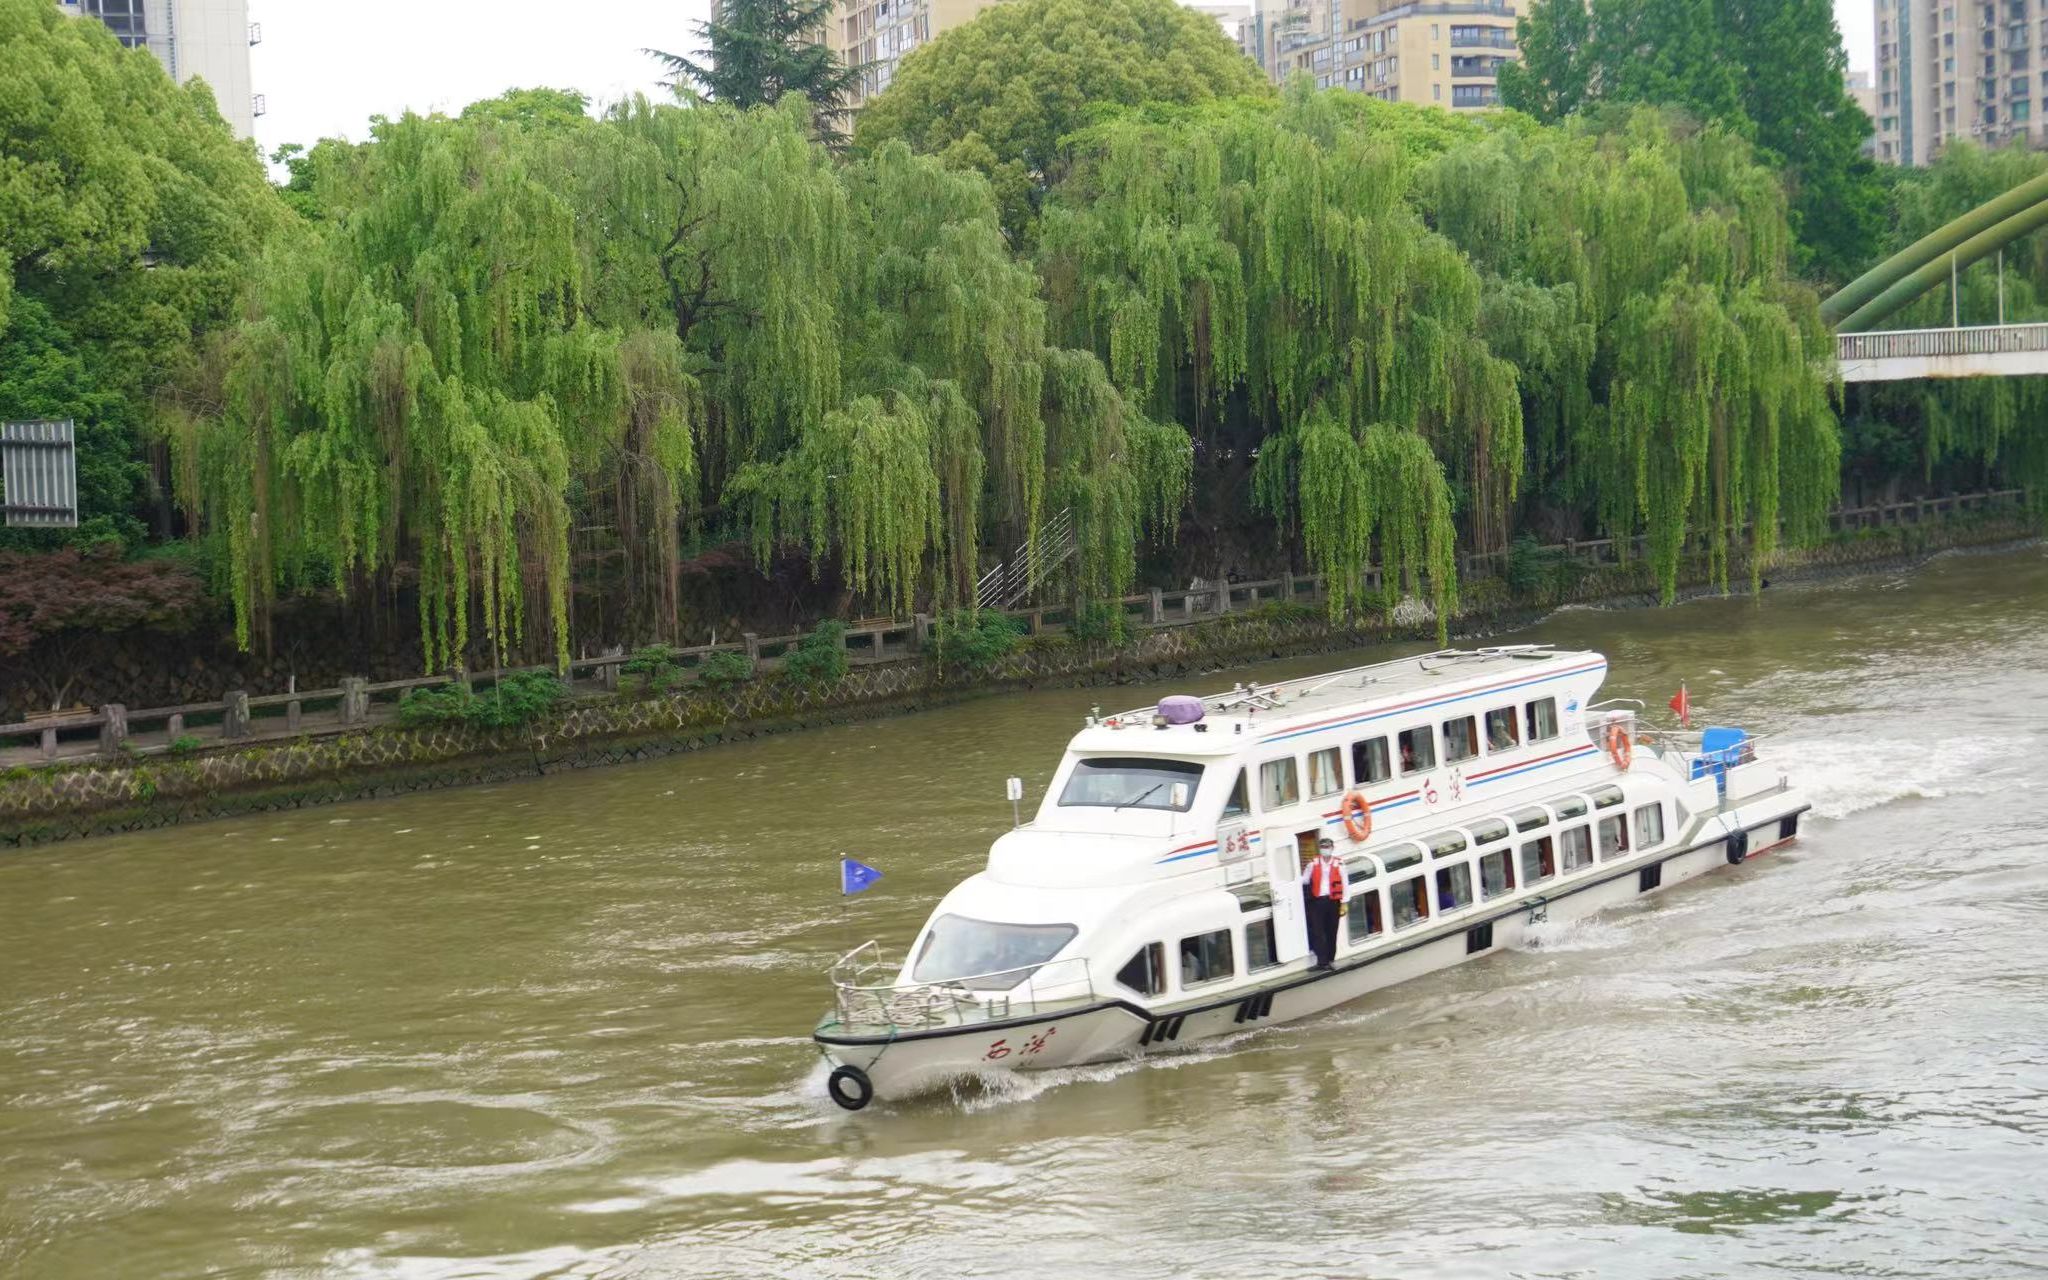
(1984, 351)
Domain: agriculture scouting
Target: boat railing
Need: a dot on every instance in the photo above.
(864, 995)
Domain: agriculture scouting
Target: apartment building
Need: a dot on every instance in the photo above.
(1949, 69)
(1447, 55)
(194, 39)
(875, 34)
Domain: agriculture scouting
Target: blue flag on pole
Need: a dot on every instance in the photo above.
(855, 876)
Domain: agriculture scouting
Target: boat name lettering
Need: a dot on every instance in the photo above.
(1001, 1048)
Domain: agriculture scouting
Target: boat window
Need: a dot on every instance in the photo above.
(1530, 818)
(1279, 784)
(1605, 797)
(1500, 730)
(1145, 973)
(1453, 886)
(1461, 739)
(1369, 761)
(1541, 720)
(1400, 856)
(1325, 772)
(1489, 830)
(984, 956)
(1206, 958)
(1568, 807)
(1410, 900)
(1649, 826)
(1497, 873)
(1445, 843)
(1119, 782)
(1539, 860)
(1577, 845)
(1254, 896)
(1363, 913)
(1240, 802)
(1260, 952)
(1613, 836)
(1418, 751)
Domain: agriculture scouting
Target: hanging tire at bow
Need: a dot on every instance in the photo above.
(850, 1087)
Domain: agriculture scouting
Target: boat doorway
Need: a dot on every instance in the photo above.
(1287, 853)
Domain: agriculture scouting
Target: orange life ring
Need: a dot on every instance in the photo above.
(1619, 748)
(1357, 815)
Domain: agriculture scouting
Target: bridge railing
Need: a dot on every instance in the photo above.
(1980, 340)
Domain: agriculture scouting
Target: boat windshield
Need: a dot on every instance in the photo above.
(1120, 782)
(990, 957)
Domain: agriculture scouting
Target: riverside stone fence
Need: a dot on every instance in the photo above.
(115, 730)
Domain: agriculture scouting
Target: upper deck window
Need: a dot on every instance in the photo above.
(1530, 818)
(1445, 844)
(985, 956)
(1401, 855)
(1240, 802)
(1418, 750)
(1279, 784)
(1461, 739)
(1542, 719)
(1569, 807)
(1500, 730)
(1118, 782)
(1369, 762)
(1605, 797)
(1489, 830)
(1325, 772)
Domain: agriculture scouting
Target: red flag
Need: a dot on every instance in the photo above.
(1683, 706)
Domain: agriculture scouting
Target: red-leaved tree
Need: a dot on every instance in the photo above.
(50, 600)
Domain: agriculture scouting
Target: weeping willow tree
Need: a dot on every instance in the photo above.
(410, 385)
(1675, 378)
(1259, 272)
(1971, 432)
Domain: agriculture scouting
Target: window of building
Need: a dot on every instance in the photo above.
(1418, 751)
(1432, 30)
(1259, 949)
(1206, 958)
(1409, 901)
(1436, 62)
(1279, 784)
(1145, 972)
(1577, 845)
(1497, 873)
(1240, 802)
(1325, 772)
(1539, 860)
(1461, 739)
(2022, 111)
(1649, 826)
(1613, 836)
(1500, 730)
(1541, 719)
(1454, 886)
(1363, 913)
(1369, 761)
(1436, 91)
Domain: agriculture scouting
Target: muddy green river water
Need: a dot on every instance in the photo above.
(559, 1028)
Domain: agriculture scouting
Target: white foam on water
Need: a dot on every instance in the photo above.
(1845, 775)
(1590, 934)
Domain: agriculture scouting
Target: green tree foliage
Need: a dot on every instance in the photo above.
(1635, 272)
(128, 216)
(759, 50)
(1259, 272)
(1001, 94)
(1771, 70)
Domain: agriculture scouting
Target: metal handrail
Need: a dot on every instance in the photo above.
(950, 1001)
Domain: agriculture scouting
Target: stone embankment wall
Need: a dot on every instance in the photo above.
(79, 798)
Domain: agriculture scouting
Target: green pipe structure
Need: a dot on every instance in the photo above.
(1934, 246)
(1907, 288)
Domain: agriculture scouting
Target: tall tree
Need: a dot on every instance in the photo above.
(1002, 93)
(758, 50)
(1772, 70)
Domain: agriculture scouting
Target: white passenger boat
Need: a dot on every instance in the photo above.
(1154, 901)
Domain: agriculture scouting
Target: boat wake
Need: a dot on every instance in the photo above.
(1848, 775)
(1589, 934)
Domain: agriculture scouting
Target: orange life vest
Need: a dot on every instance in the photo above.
(1326, 878)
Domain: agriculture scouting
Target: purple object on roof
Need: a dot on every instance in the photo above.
(1180, 709)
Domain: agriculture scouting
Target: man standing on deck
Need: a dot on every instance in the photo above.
(1325, 883)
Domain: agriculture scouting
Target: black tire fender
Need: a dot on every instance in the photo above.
(850, 1087)
(1738, 848)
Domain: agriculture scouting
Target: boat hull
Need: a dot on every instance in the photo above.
(910, 1062)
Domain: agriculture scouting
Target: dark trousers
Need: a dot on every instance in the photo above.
(1322, 928)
